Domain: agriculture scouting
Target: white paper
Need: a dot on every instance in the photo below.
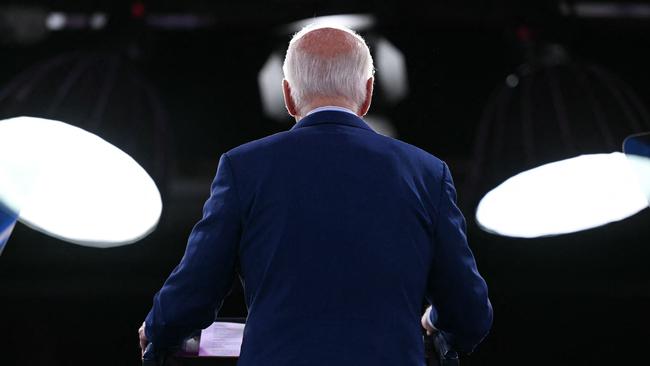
(221, 339)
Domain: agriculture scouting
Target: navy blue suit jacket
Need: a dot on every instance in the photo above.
(339, 235)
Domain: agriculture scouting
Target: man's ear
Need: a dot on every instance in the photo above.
(365, 106)
(289, 103)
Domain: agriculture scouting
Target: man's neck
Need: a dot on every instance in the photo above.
(326, 102)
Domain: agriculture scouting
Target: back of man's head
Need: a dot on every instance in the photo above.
(327, 62)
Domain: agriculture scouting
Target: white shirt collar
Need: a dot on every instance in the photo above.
(330, 108)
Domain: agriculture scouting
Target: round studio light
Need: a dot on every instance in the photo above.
(358, 22)
(563, 197)
(73, 185)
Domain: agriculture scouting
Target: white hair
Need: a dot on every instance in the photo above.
(310, 75)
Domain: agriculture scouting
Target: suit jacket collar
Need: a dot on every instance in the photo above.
(332, 117)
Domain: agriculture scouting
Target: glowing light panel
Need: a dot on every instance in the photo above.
(73, 185)
(563, 197)
(358, 22)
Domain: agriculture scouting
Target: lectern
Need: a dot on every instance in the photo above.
(437, 352)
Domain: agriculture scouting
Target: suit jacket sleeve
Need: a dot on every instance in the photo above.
(195, 290)
(458, 293)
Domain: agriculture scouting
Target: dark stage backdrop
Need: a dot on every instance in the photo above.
(580, 299)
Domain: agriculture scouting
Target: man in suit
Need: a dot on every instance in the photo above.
(339, 234)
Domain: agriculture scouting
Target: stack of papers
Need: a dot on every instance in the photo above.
(221, 339)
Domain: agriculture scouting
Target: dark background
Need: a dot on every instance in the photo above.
(569, 300)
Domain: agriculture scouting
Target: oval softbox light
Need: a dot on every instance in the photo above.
(73, 185)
